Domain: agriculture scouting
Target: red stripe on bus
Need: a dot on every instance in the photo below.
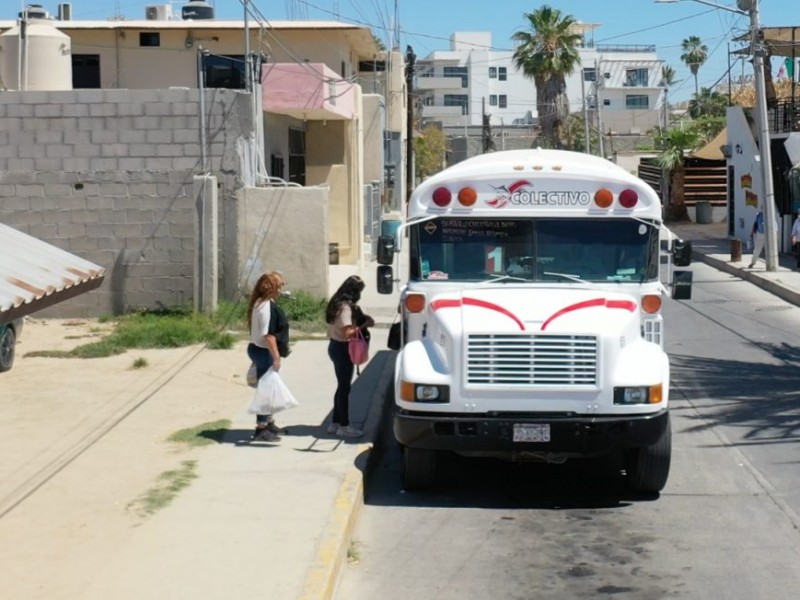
(623, 304)
(437, 304)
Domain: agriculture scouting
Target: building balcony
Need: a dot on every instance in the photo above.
(439, 83)
(624, 48)
(434, 112)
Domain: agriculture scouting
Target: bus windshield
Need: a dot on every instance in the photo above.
(541, 249)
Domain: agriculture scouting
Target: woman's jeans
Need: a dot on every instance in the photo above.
(343, 367)
(263, 360)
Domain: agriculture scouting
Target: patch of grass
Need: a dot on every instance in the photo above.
(175, 327)
(139, 363)
(168, 485)
(203, 434)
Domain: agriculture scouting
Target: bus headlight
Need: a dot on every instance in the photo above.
(638, 395)
(423, 392)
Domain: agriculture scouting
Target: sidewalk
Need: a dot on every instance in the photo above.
(711, 244)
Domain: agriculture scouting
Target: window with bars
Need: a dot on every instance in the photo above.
(493, 100)
(503, 101)
(501, 74)
(492, 72)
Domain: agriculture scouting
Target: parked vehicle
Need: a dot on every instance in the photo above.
(532, 315)
(9, 334)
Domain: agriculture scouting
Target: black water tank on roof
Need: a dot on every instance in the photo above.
(197, 10)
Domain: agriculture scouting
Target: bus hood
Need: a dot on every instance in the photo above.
(551, 310)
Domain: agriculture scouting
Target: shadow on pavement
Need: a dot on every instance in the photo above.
(764, 399)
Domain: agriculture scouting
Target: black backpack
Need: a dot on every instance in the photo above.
(279, 327)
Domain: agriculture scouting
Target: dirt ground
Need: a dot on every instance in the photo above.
(81, 439)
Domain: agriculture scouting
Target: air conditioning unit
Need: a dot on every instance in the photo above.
(158, 12)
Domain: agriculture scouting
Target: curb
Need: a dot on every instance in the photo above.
(326, 567)
(753, 277)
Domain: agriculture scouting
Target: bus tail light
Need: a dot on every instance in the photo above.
(415, 303)
(442, 197)
(651, 303)
(467, 196)
(603, 198)
(628, 198)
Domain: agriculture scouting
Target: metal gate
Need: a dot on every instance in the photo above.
(372, 217)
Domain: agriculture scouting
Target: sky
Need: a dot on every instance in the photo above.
(426, 25)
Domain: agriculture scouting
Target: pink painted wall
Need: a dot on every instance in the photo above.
(310, 87)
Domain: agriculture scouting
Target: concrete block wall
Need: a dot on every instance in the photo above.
(107, 175)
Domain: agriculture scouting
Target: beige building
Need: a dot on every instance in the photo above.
(336, 123)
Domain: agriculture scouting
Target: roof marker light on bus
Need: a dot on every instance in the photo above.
(603, 198)
(628, 198)
(442, 196)
(467, 196)
(518, 167)
(556, 167)
(537, 167)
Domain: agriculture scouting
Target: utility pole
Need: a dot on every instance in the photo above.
(586, 145)
(486, 129)
(247, 64)
(598, 78)
(771, 223)
(411, 60)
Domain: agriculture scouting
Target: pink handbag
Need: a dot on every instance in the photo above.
(358, 348)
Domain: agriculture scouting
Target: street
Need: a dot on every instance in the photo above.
(725, 526)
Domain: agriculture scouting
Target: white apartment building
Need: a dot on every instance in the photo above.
(457, 85)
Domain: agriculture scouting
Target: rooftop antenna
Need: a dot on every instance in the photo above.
(396, 28)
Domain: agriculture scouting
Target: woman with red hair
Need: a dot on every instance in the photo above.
(263, 346)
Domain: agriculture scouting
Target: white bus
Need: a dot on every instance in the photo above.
(531, 323)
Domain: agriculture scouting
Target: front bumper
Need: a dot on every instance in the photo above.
(569, 434)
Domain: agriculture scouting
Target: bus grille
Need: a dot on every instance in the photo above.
(532, 360)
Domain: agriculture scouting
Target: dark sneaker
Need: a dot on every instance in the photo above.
(263, 434)
(271, 426)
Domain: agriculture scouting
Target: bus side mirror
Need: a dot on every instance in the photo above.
(682, 253)
(385, 280)
(682, 285)
(385, 250)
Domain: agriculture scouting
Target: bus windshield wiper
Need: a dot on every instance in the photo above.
(497, 278)
(574, 278)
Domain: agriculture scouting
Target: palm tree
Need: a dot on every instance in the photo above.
(667, 79)
(709, 103)
(673, 144)
(695, 53)
(547, 53)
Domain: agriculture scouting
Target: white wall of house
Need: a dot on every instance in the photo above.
(748, 187)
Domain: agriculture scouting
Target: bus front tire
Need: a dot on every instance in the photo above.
(418, 468)
(647, 467)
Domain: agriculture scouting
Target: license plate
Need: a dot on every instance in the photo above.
(537, 432)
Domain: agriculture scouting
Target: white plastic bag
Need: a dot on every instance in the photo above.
(272, 395)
